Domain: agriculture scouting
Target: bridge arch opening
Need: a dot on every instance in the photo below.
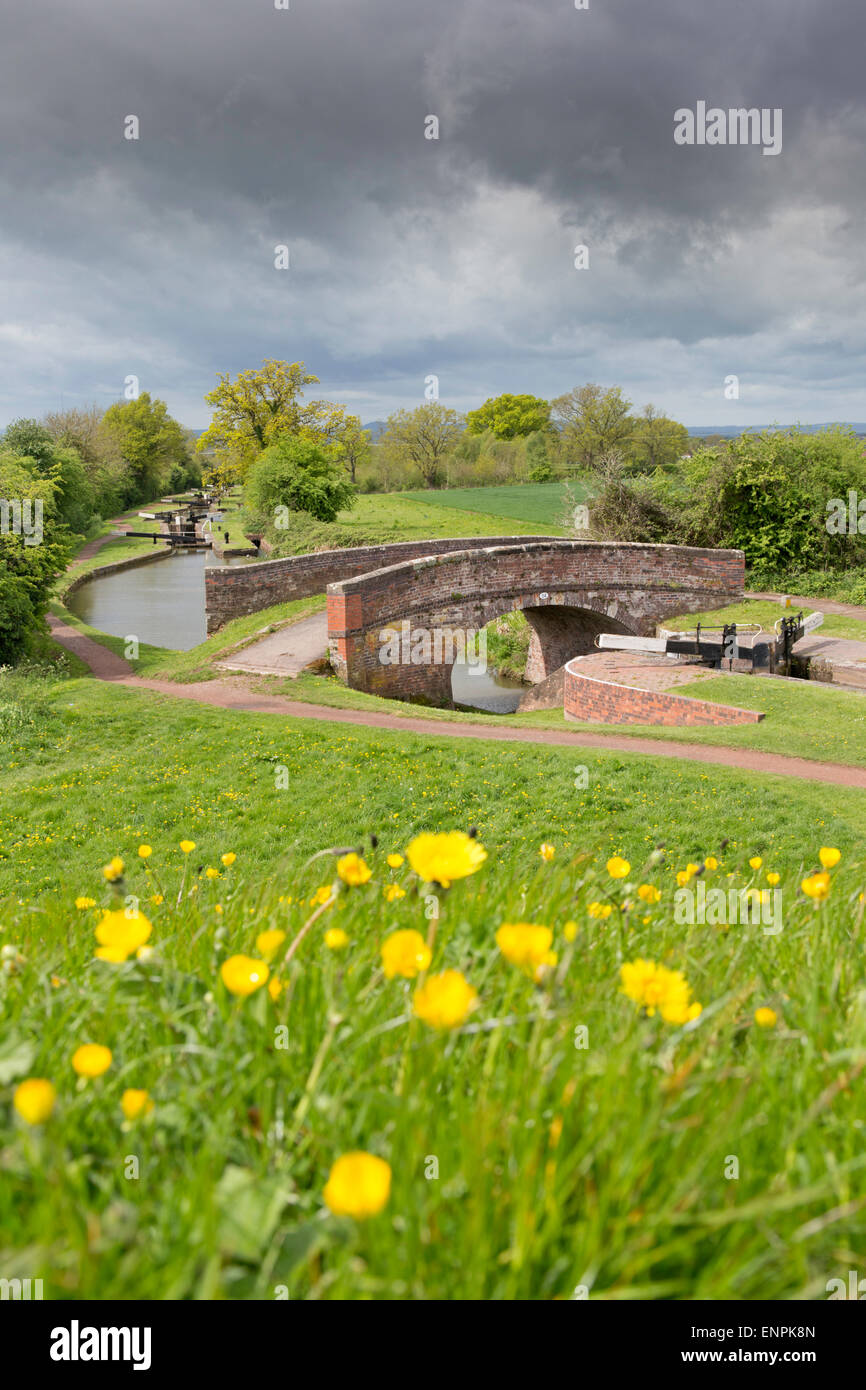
(552, 635)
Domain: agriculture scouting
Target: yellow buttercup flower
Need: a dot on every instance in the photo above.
(243, 975)
(547, 852)
(656, 988)
(755, 862)
(393, 891)
(442, 858)
(618, 867)
(765, 1018)
(648, 893)
(83, 903)
(91, 1059)
(187, 846)
(336, 939)
(445, 1001)
(120, 933)
(34, 1100)
(321, 895)
(275, 988)
(269, 942)
(144, 851)
(156, 899)
(829, 857)
(773, 879)
(711, 862)
(405, 953)
(353, 870)
(211, 872)
(570, 931)
(816, 886)
(394, 861)
(358, 1185)
(600, 910)
(527, 946)
(113, 870)
(134, 1104)
(228, 859)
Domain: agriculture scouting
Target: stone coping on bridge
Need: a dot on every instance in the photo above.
(597, 689)
(238, 591)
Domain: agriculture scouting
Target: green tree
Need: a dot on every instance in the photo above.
(74, 498)
(656, 441)
(509, 417)
(261, 404)
(299, 475)
(594, 422)
(151, 444)
(422, 439)
(27, 570)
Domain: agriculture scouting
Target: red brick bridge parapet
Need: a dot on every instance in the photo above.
(237, 590)
(569, 592)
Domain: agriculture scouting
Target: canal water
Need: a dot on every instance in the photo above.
(162, 604)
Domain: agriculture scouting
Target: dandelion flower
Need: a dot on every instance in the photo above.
(358, 1185)
(816, 886)
(442, 858)
(269, 942)
(765, 1018)
(353, 870)
(658, 989)
(405, 953)
(120, 933)
(34, 1100)
(526, 946)
(91, 1059)
(134, 1104)
(445, 1000)
(243, 975)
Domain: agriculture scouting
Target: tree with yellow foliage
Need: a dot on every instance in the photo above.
(252, 411)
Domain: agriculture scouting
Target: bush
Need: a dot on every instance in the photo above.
(297, 475)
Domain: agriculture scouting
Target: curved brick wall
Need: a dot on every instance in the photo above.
(239, 590)
(599, 701)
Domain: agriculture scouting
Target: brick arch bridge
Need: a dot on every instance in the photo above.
(568, 590)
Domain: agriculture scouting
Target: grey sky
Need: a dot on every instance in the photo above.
(410, 256)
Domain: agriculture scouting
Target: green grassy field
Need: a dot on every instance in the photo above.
(543, 504)
(477, 512)
(555, 1137)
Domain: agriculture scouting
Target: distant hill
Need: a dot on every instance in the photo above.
(376, 427)
(732, 431)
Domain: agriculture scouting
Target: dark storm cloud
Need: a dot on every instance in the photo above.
(409, 256)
